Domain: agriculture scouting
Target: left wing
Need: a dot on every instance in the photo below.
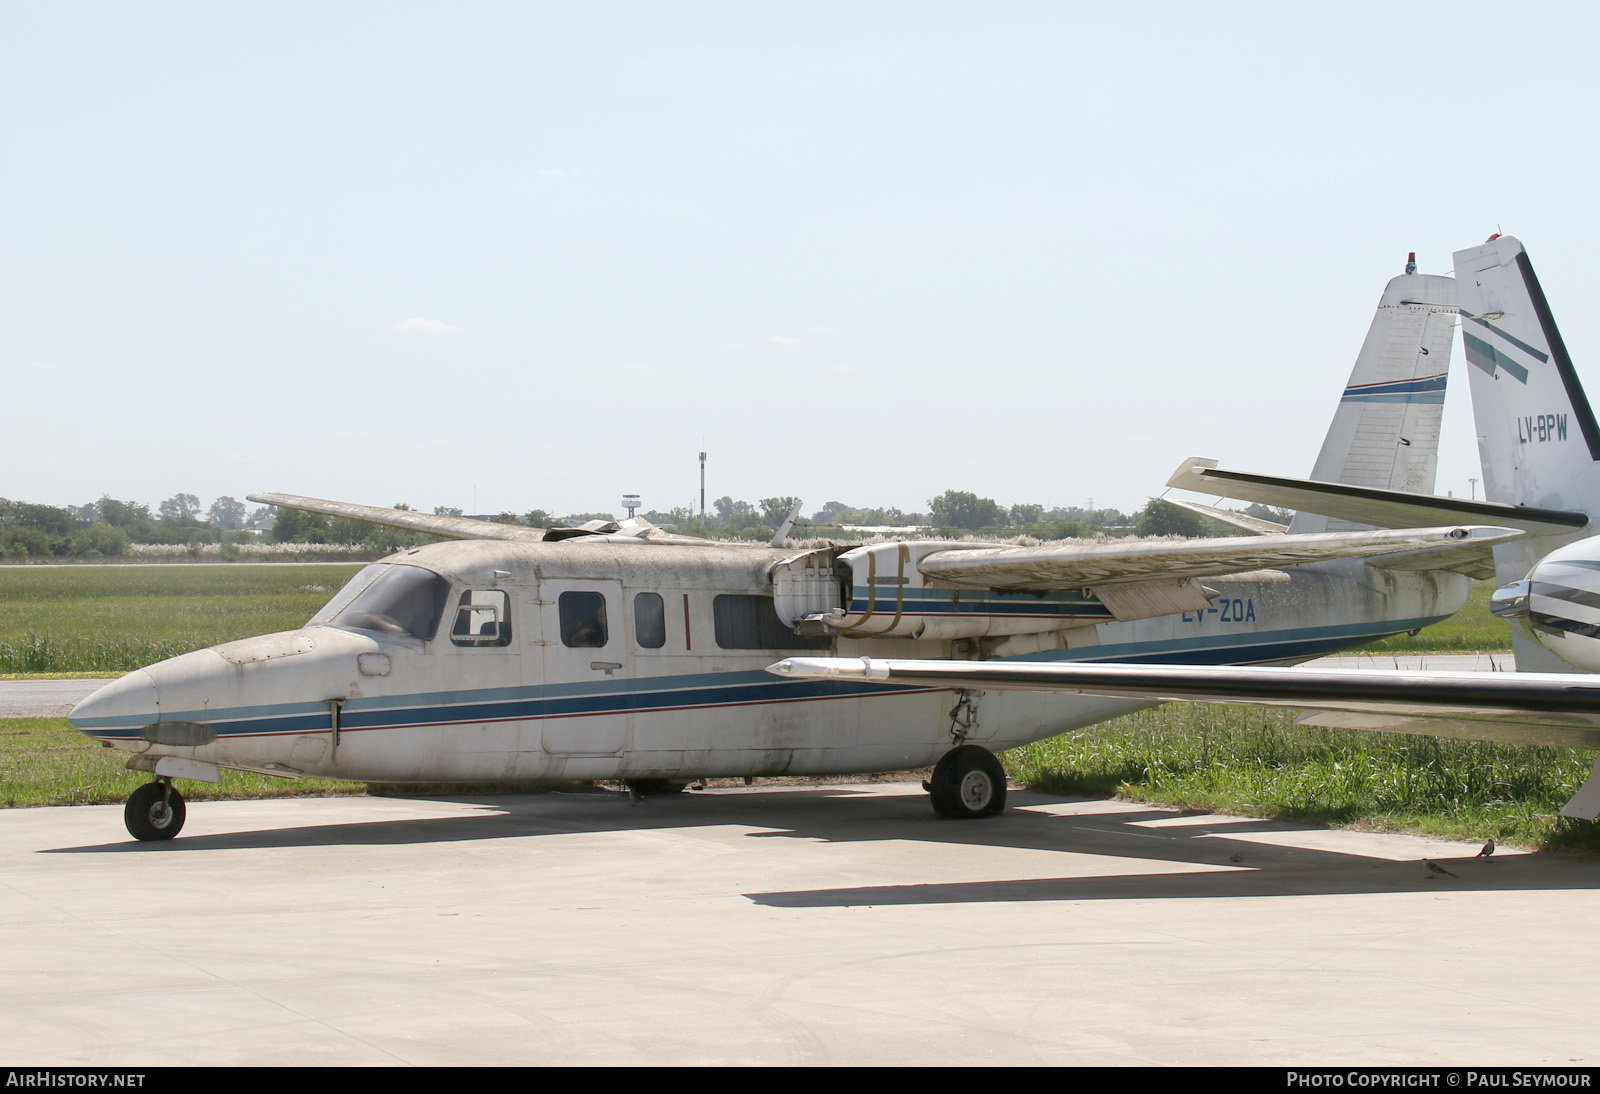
(1127, 561)
(1553, 709)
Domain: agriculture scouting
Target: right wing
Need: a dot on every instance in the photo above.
(1552, 709)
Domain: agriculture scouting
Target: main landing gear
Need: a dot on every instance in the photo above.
(154, 811)
(968, 782)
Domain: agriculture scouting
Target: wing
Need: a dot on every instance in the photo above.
(1547, 708)
(632, 530)
(431, 523)
(1552, 709)
(1067, 567)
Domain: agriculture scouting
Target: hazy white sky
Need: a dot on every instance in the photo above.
(505, 256)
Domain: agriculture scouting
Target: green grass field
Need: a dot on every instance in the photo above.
(1258, 762)
(1237, 759)
(109, 619)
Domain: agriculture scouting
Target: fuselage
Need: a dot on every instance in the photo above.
(486, 660)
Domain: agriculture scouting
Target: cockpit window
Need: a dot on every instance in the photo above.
(402, 600)
(351, 590)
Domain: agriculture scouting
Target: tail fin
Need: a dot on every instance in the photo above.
(1537, 438)
(1385, 433)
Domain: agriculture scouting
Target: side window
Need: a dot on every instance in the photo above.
(483, 618)
(583, 620)
(751, 623)
(649, 621)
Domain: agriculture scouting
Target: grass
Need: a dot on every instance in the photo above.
(44, 761)
(116, 619)
(1258, 762)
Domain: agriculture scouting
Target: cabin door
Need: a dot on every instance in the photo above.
(587, 667)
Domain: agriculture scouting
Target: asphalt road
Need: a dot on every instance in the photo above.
(779, 925)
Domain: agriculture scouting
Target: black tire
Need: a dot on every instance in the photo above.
(154, 812)
(655, 788)
(968, 782)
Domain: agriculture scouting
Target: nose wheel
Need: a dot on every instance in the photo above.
(154, 811)
(968, 782)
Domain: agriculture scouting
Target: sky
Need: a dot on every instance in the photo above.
(514, 256)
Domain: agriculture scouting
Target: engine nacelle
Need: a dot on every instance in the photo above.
(1558, 604)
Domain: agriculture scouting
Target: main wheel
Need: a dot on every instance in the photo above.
(154, 811)
(968, 782)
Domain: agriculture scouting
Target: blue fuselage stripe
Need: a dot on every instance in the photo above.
(710, 690)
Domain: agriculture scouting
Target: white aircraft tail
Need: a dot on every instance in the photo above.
(1385, 432)
(1537, 436)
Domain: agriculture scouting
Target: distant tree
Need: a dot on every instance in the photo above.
(1162, 518)
(1026, 514)
(104, 539)
(724, 509)
(1267, 512)
(961, 509)
(227, 513)
(297, 526)
(121, 514)
(773, 510)
(829, 513)
(180, 507)
(446, 511)
(538, 518)
(505, 518)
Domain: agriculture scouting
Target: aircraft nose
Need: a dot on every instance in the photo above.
(119, 710)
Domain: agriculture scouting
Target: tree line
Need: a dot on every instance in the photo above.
(109, 527)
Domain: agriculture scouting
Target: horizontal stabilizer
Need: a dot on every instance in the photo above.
(1368, 505)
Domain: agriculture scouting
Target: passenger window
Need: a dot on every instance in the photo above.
(483, 618)
(583, 620)
(751, 623)
(649, 621)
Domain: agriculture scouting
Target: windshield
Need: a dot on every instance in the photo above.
(397, 600)
(351, 590)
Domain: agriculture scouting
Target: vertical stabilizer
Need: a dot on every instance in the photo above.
(1537, 437)
(1385, 433)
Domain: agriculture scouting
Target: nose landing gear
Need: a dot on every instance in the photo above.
(154, 811)
(968, 782)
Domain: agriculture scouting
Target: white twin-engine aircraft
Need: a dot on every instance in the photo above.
(1540, 448)
(619, 651)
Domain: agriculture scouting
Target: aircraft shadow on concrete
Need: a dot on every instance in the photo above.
(841, 814)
